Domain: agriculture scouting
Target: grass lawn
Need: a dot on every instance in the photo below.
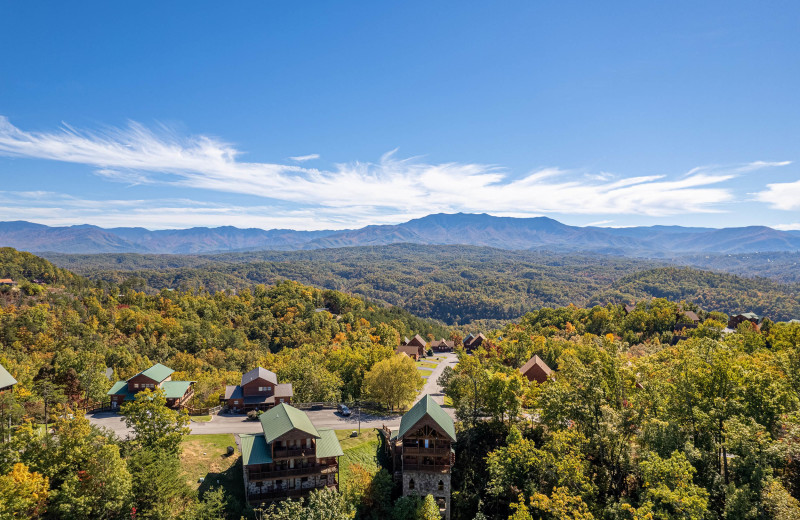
(206, 456)
(357, 450)
(426, 364)
(424, 372)
(200, 418)
(448, 401)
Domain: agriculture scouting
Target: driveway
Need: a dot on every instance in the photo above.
(432, 385)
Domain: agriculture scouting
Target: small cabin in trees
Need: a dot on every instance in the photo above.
(473, 342)
(738, 319)
(421, 452)
(442, 345)
(177, 393)
(258, 390)
(7, 381)
(7, 282)
(413, 348)
(536, 370)
(290, 458)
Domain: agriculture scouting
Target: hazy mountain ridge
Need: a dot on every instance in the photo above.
(438, 229)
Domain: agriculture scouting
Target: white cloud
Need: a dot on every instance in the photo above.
(781, 195)
(795, 226)
(304, 158)
(354, 193)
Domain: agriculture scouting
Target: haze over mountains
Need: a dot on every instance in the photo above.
(438, 229)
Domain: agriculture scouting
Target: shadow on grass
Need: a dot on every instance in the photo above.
(230, 480)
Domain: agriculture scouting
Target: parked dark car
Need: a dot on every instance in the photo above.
(344, 410)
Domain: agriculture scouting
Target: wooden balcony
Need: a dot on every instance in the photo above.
(437, 451)
(278, 494)
(316, 469)
(284, 453)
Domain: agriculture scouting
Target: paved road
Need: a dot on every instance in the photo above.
(227, 423)
(431, 385)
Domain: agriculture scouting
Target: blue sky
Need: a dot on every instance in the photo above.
(340, 114)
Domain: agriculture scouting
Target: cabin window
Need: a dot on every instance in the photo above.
(441, 485)
(411, 484)
(281, 400)
(136, 385)
(262, 388)
(304, 479)
(427, 443)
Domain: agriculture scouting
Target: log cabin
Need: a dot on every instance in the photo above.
(290, 458)
(258, 390)
(177, 393)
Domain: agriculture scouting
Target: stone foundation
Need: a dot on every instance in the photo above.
(425, 483)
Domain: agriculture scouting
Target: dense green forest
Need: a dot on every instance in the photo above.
(632, 425)
(455, 284)
(708, 428)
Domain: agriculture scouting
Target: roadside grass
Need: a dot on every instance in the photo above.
(200, 418)
(357, 450)
(427, 364)
(424, 372)
(206, 456)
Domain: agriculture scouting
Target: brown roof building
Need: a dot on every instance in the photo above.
(473, 342)
(536, 370)
(442, 345)
(413, 348)
(259, 390)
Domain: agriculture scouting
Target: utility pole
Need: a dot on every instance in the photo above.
(358, 405)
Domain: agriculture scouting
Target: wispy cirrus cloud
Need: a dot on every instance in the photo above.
(304, 158)
(391, 187)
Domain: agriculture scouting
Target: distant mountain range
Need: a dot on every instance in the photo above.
(439, 229)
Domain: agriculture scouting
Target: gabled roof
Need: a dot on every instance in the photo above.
(418, 340)
(750, 315)
(282, 419)
(6, 379)
(536, 361)
(284, 390)
(427, 406)
(175, 389)
(233, 392)
(121, 388)
(262, 373)
(157, 372)
(328, 445)
(255, 449)
(691, 315)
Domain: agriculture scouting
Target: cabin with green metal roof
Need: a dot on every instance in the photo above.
(422, 453)
(7, 381)
(290, 458)
(177, 393)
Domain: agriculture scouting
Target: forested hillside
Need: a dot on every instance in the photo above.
(455, 284)
(628, 427)
(714, 291)
(631, 426)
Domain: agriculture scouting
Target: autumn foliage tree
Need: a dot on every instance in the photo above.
(393, 382)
